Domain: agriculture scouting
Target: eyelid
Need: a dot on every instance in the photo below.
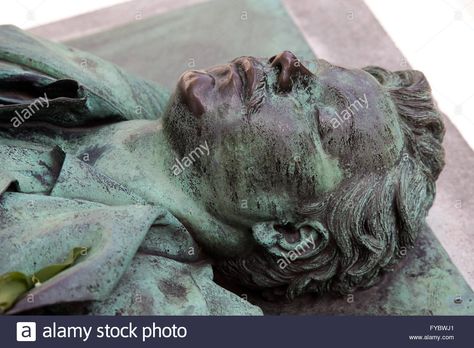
(319, 125)
(341, 99)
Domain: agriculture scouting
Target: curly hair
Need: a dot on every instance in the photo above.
(362, 228)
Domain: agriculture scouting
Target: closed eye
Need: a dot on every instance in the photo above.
(322, 124)
(337, 98)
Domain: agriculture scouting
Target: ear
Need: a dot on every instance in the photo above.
(303, 240)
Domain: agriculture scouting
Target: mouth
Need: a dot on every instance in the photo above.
(253, 82)
(244, 78)
(250, 72)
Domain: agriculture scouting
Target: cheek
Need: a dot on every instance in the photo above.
(380, 138)
(393, 129)
(294, 163)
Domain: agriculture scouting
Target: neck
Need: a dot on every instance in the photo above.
(163, 184)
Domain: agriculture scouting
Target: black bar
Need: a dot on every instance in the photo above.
(265, 332)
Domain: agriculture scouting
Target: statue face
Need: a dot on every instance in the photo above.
(297, 156)
(278, 134)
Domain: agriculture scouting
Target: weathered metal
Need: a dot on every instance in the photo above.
(271, 154)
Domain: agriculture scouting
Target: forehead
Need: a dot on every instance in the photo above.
(353, 83)
(373, 128)
(350, 75)
(361, 94)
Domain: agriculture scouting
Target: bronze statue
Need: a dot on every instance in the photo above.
(285, 179)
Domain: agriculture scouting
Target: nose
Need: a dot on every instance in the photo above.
(290, 69)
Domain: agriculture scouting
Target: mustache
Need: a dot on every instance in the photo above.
(258, 96)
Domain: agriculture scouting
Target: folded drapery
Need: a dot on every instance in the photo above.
(81, 88)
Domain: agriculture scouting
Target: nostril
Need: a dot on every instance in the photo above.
(283, 62)
(290, 69)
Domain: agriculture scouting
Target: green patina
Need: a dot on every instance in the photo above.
(95, 167)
